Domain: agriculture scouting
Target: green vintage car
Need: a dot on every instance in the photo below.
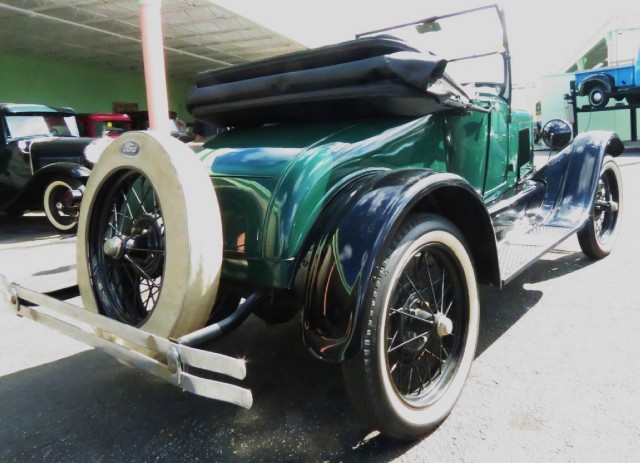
(366, 187)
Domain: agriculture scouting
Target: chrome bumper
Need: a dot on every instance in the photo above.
(156, 355)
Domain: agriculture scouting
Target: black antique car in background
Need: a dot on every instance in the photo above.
(41, 158)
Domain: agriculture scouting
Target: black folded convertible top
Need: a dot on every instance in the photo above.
(359, 78)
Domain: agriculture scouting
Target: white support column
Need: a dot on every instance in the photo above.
(154, 68)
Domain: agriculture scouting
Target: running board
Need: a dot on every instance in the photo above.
(518, 251)
(159, 356)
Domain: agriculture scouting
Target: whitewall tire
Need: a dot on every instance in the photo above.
(63, 218)
(420, 332)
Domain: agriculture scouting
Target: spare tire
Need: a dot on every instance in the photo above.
(149, 236)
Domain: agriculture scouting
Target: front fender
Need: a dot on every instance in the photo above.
(30, 197)
(67, 169)
(572, 177)
(347, 245)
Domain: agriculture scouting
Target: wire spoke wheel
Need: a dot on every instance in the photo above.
(420, 336)
(127, 248)
(598, 235)
(424, 325)
(149, 236)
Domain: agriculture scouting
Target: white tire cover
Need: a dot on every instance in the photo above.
(193, 231)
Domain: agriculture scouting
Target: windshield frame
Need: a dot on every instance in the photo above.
(504, 88)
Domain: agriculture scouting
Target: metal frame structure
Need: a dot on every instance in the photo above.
(170, 360)
(632, 108)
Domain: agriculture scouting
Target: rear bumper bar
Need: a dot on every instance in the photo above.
(159, 356)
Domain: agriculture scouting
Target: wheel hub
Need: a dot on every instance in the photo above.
(144, 246)
(420, 313)
(411, 328)
(114, 247)
(147, 238)
(444, 325)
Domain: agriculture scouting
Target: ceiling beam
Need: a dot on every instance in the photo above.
(31, 13)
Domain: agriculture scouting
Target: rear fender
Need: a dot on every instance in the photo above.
(572, 176)
(65, 169)
(348, 242)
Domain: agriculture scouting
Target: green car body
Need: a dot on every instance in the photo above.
(273, 182)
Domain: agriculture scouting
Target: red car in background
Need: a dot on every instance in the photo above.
(177, 127)
(98, 125)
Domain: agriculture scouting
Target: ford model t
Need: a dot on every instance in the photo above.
(366, 187)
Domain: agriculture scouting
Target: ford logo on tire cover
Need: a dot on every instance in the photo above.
(130, 148)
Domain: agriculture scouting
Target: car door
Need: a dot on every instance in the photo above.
(466, 144)
(499, 162)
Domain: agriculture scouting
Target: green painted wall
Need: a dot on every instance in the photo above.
(37, 79)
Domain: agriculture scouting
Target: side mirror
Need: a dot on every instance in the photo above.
(557, 134)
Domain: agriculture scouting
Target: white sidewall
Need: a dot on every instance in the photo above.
(51, 215)
(610, 242)
(192, 227)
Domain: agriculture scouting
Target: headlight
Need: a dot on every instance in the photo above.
(94, 149)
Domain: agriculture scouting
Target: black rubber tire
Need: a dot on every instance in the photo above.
(61, 217)
(185, 279)
(598, 235)
(598, 97)
(226, 303)
(372, 385)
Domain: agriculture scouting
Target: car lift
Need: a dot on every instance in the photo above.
(571, 98)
